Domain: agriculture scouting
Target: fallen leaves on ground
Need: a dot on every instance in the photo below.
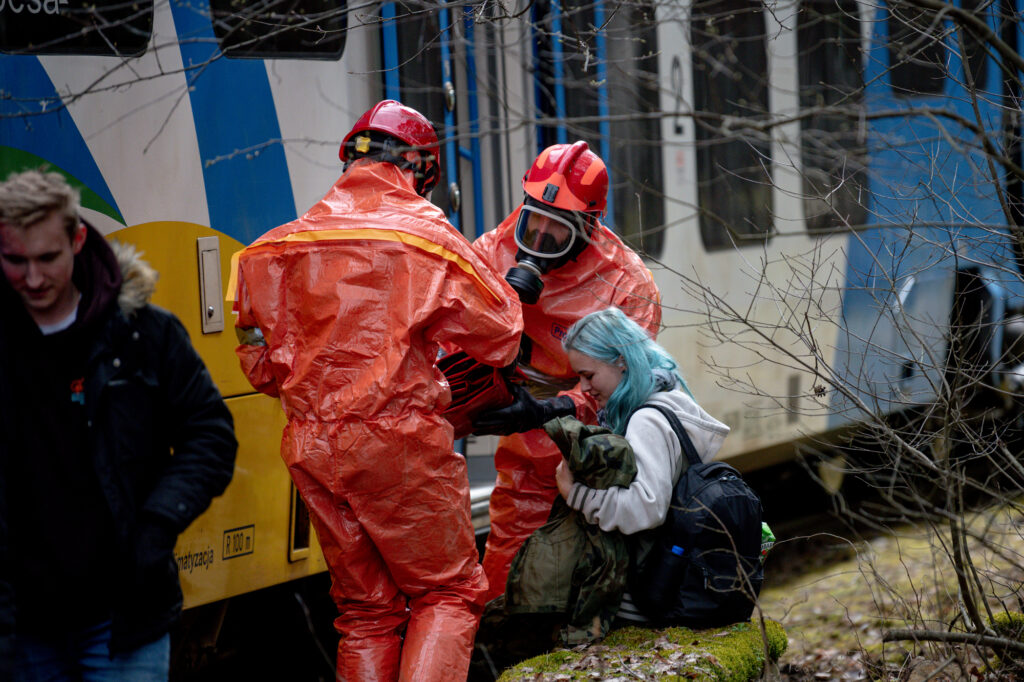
(835, 612)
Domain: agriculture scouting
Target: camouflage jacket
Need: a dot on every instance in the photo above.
(568, 565)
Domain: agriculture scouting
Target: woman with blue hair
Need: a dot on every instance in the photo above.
(624, 369)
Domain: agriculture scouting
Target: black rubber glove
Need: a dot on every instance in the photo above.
(525, 414)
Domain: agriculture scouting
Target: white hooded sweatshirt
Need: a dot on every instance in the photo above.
(659, 462)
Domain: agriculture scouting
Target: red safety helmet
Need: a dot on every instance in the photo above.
(569, 177)
(406, 125)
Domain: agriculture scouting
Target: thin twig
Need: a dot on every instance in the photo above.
(959, 637)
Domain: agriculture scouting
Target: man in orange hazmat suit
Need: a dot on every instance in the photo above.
(341, 313)
(564, 263)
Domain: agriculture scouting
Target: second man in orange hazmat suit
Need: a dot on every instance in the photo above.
(341, 314)
(564, 263)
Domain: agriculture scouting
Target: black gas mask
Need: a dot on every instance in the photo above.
(547, 238)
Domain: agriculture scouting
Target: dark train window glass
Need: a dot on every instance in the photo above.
(87, 27)
(636, 161)
(546, 58)
(631, 62)
(280, 29)
(730, 66)
(832, 142)
(975, 55)
(494, 122)
(421, 85)
(917, 55)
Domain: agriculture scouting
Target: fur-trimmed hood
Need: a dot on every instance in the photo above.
(138, 278)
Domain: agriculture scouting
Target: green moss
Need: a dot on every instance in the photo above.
(551, 662)
(731, 654)
(1009, 624)
(629, 637)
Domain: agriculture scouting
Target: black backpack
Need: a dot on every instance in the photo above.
(704, 569)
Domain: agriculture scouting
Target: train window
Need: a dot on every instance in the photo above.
(494, 119)
(421, 85)
(636, 163)
(548, 57)
(629, 54)
(85, 27)
(832, 136)
(290, 29)
(734, 186)
(917, 55)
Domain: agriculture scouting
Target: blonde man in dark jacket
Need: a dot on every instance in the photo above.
(116, 439)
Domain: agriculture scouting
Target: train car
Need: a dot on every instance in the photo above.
(849, 210)
(835, 191)
(771, 165)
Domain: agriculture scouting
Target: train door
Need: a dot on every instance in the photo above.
(596, 78)
(933, 209)
(1012, 34)
(442, 61)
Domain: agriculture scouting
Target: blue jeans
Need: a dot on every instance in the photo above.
(83, 656)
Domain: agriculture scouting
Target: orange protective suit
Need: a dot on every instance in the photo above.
(607, 273)
(353, 299)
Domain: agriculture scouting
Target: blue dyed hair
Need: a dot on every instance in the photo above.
(607, 335)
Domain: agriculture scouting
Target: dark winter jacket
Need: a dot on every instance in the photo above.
(158, 432)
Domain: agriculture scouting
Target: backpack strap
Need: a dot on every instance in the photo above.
(684, 438)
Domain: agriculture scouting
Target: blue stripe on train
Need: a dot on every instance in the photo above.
(33, 119)
(248, 188)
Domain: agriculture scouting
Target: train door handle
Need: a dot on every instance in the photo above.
(449, 96)
(211, 295)
(454, 196)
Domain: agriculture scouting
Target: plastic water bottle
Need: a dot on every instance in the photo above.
(666, 568)
(767, 540)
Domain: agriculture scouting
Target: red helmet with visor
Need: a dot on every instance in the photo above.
(566, 189)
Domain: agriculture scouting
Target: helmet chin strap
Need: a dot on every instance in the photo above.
(425, 173)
